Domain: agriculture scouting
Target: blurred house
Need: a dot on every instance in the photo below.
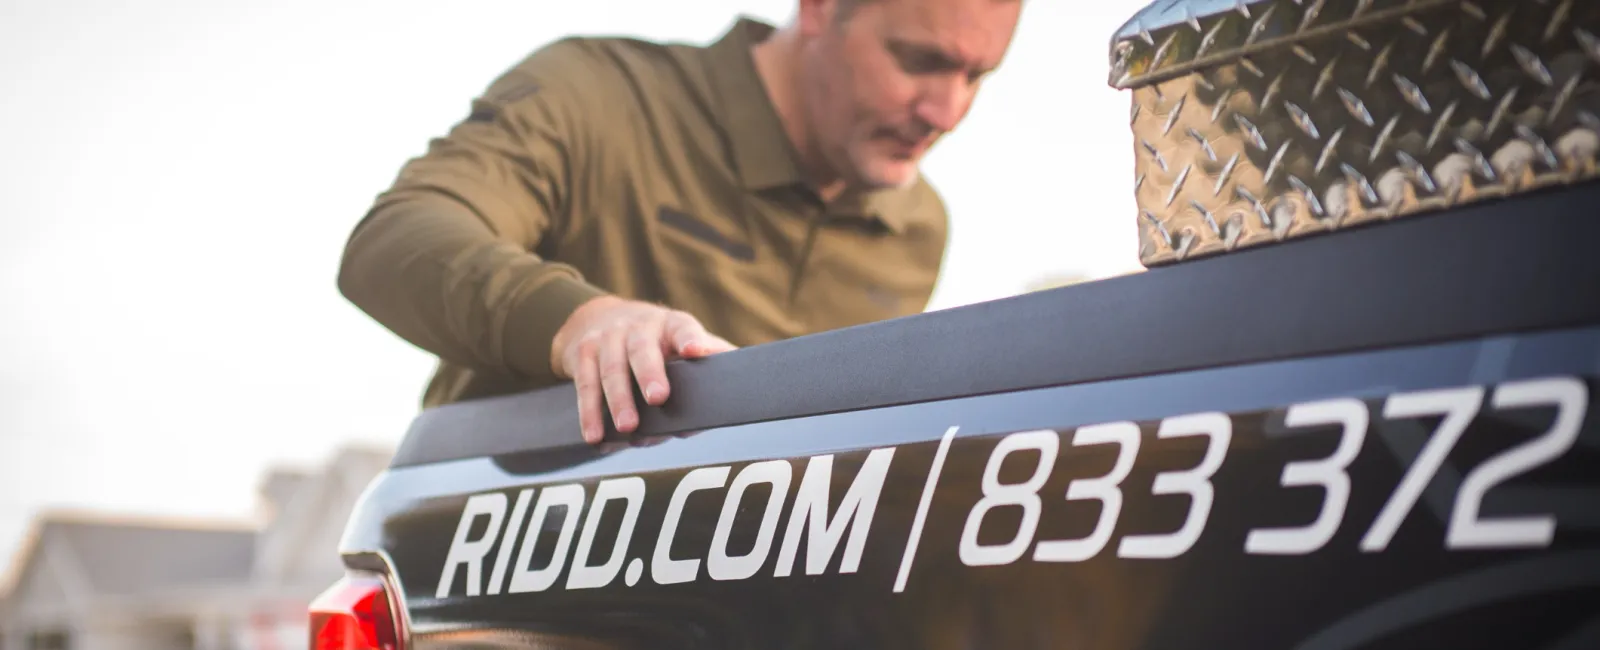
(1050, 281)
(1054, 281)
(93, 582)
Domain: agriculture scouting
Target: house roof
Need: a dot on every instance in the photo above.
(322, 499)
(361, 460)
(128, 559)
(121, 556)
(365, 460)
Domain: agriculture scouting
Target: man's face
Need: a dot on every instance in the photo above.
(883, 83)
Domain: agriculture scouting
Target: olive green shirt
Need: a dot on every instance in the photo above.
(650, 171)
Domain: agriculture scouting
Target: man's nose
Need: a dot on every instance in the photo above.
(944, 103)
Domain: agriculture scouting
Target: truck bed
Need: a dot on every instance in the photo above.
(1376, 438)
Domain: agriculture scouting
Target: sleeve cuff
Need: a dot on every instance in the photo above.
(532, 324)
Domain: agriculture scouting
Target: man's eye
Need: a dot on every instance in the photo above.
(917, 60)
(918, 63)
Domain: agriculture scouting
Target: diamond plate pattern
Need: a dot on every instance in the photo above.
(1150, 46)
(1314, 115)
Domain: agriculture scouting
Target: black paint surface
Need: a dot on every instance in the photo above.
(1414, 593)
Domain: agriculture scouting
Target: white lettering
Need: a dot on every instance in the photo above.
(1196, 483)
(811, 506)
(522, 578)
(471, 553)
(722, 566)
(584, 576)
(663, 569)
(1467, 528)
(1329, 473)
(1105, 489)
(996, 494)
(1458, 406)
(842, 532)
(930, 483)
(508, 540)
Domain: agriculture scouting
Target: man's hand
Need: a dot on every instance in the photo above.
(609, 341)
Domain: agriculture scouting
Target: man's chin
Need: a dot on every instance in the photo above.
(890, 175)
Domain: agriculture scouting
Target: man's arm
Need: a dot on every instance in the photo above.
(445, 257)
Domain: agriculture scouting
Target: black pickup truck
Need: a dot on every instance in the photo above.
(1345, 406)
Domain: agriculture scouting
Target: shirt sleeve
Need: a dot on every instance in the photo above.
(445, 258)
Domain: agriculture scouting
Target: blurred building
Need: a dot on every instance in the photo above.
(1068, 278)
(1055, 280)
(93, 582)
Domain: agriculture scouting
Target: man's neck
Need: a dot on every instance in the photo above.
(776, 60)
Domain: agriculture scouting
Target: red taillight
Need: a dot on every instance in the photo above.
(354, 614)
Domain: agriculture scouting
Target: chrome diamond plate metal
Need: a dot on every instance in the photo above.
(1266, 121)
(1150, 46)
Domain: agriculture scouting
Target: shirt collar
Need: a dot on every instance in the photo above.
(762, 153)
(763, 156)
(894, 208)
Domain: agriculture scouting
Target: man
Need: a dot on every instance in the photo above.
(611, 204)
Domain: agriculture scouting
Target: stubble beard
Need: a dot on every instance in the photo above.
(862, 170)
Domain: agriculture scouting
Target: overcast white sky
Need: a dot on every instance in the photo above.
(177, 180)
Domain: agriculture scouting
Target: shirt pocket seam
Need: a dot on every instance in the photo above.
(686, 226)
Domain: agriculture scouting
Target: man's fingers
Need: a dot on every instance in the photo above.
(623, 342)
(583, 362)
(644, 355)
(714, 344)
(704, 345)
(617, 380)
(690, 339)
(682, 330)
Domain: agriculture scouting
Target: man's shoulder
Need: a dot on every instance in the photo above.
(606, 89)
(925, 197)
(608, 65)
(919, 207)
